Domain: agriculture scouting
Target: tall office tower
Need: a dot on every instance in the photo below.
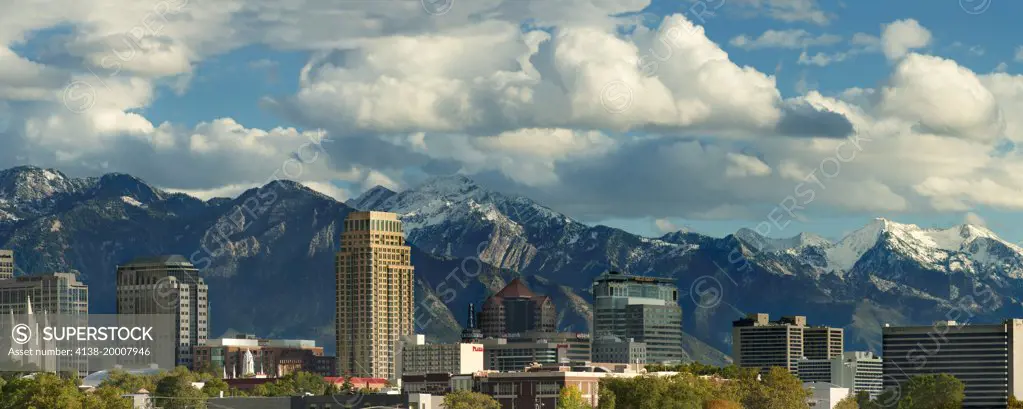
(167, 285)
(644, 309)
(988, 359)
(515, 310)
(758, 342)
(374, 295)
(820, 342)
(6, 264)
(44, 296)
(471, 334)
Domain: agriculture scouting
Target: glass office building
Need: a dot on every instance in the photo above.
(644, 309)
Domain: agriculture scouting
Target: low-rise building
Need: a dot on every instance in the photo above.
(824, 395)
(418, 357)
(614, 350)
(358, 383)
(437, 383)
(539, 386)
(272, 358)
(856, 370)
(518, 351)
(350, 401)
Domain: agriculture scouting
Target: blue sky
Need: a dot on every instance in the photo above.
(217, 97)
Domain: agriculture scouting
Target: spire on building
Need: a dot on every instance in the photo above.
(471, 333)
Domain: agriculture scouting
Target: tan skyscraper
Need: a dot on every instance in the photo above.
(374, 294)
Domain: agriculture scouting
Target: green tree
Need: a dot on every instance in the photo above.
(941, 391)
(721, 404)
(175, 391)
(1015, 403)
(682, 391)
(347, 386)
(42, 391)
(214, 386)
(292, 384)
(129, 383)
(106, 397)
(571, 398)
(779, 390)
(469, 400)
(605, 397)
(848, 403)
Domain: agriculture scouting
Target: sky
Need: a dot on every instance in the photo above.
(652, 116)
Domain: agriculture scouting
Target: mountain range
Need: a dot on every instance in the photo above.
(267, 256)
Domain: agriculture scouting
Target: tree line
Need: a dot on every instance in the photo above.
(699, 386)
(168, 390)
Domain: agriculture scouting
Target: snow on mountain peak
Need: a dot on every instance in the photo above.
(30, 183)
(767, 244)
(371, 199)
(453, 185)
(931, 246)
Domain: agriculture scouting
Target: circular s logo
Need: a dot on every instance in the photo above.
(165, 293)
(21, 334)
(706, 292)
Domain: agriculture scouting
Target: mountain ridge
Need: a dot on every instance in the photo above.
(275, 244)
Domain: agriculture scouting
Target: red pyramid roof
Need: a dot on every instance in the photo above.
(515, 289)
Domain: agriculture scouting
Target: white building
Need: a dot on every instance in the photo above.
(856, 370)
(420, 358)
(425, 401)
(824, 395)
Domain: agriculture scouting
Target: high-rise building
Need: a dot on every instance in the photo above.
(374, 295)
(988, 358)
(821, 342)
(167, 285)
(6, 264)
(758, 342)
(644, 309)
(53, 293)
(41, 298)
(515, 310)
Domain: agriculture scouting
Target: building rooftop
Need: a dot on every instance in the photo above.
(617, 276)
(166, 259)
(257, 343)
(94, 379)
(515, 289)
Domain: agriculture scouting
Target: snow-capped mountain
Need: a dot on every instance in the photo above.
(276, 263)
(885, 262)
(29, 191)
